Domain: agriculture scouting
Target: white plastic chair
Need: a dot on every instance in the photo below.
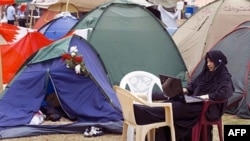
(142, 84)
(127, 99)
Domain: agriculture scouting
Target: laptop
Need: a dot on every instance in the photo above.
(172, 88)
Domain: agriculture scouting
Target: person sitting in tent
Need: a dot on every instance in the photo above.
(214, 83)
(51, 106)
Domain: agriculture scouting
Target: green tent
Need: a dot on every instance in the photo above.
(129, 37)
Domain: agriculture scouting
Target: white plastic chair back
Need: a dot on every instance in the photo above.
(142, 84)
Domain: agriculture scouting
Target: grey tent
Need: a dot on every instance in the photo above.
(207, 26)
(236, 46)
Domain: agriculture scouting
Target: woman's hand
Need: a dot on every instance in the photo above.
(206, 96)
(185, 91)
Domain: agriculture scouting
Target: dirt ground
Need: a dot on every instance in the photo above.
(227, 119)
(68, 137)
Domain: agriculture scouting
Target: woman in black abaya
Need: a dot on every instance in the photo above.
(214, 83)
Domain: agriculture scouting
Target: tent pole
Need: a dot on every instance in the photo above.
(1, 72)
(1, 13)
(67, 4)
(31, 15)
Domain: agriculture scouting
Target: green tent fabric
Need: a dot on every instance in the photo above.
(128, 37)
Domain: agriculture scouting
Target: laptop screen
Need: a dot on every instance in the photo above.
(171, 86)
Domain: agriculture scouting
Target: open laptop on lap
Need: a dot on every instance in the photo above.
(172, 88)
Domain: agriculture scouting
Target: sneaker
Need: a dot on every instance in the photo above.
(96, 131)
(86, 132)
(93, 132)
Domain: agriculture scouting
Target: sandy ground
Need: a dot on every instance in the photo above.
(227, 119)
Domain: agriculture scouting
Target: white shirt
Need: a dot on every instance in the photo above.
(11, 12)
(20, 15)
(168, 18)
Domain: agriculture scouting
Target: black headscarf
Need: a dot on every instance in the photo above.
(207, 80)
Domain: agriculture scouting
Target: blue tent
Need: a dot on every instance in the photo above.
(90, 99)
(59, 27)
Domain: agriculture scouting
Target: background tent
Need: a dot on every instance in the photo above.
(209, 24)
(13, 1)
(82, 5)
(15, 54)
(58, 27)
(55, 9)
(236, 46)
(128, 37)
(201, 3)
(245, 24)
(90, 99)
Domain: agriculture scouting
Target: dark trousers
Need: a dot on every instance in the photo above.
(22, 22)
(11, 22)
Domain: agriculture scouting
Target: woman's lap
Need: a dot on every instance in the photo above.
(185, 116)
(181, 111)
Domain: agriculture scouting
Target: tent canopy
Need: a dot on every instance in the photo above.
(207, 26)
(54, 10)
(82, 5)
(126, 43)
(58, 27)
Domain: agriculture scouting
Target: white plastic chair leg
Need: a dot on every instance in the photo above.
(130, 133)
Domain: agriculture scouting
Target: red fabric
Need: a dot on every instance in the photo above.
(9, 32)
(23, 8)
(14, 55)
(2, 2)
